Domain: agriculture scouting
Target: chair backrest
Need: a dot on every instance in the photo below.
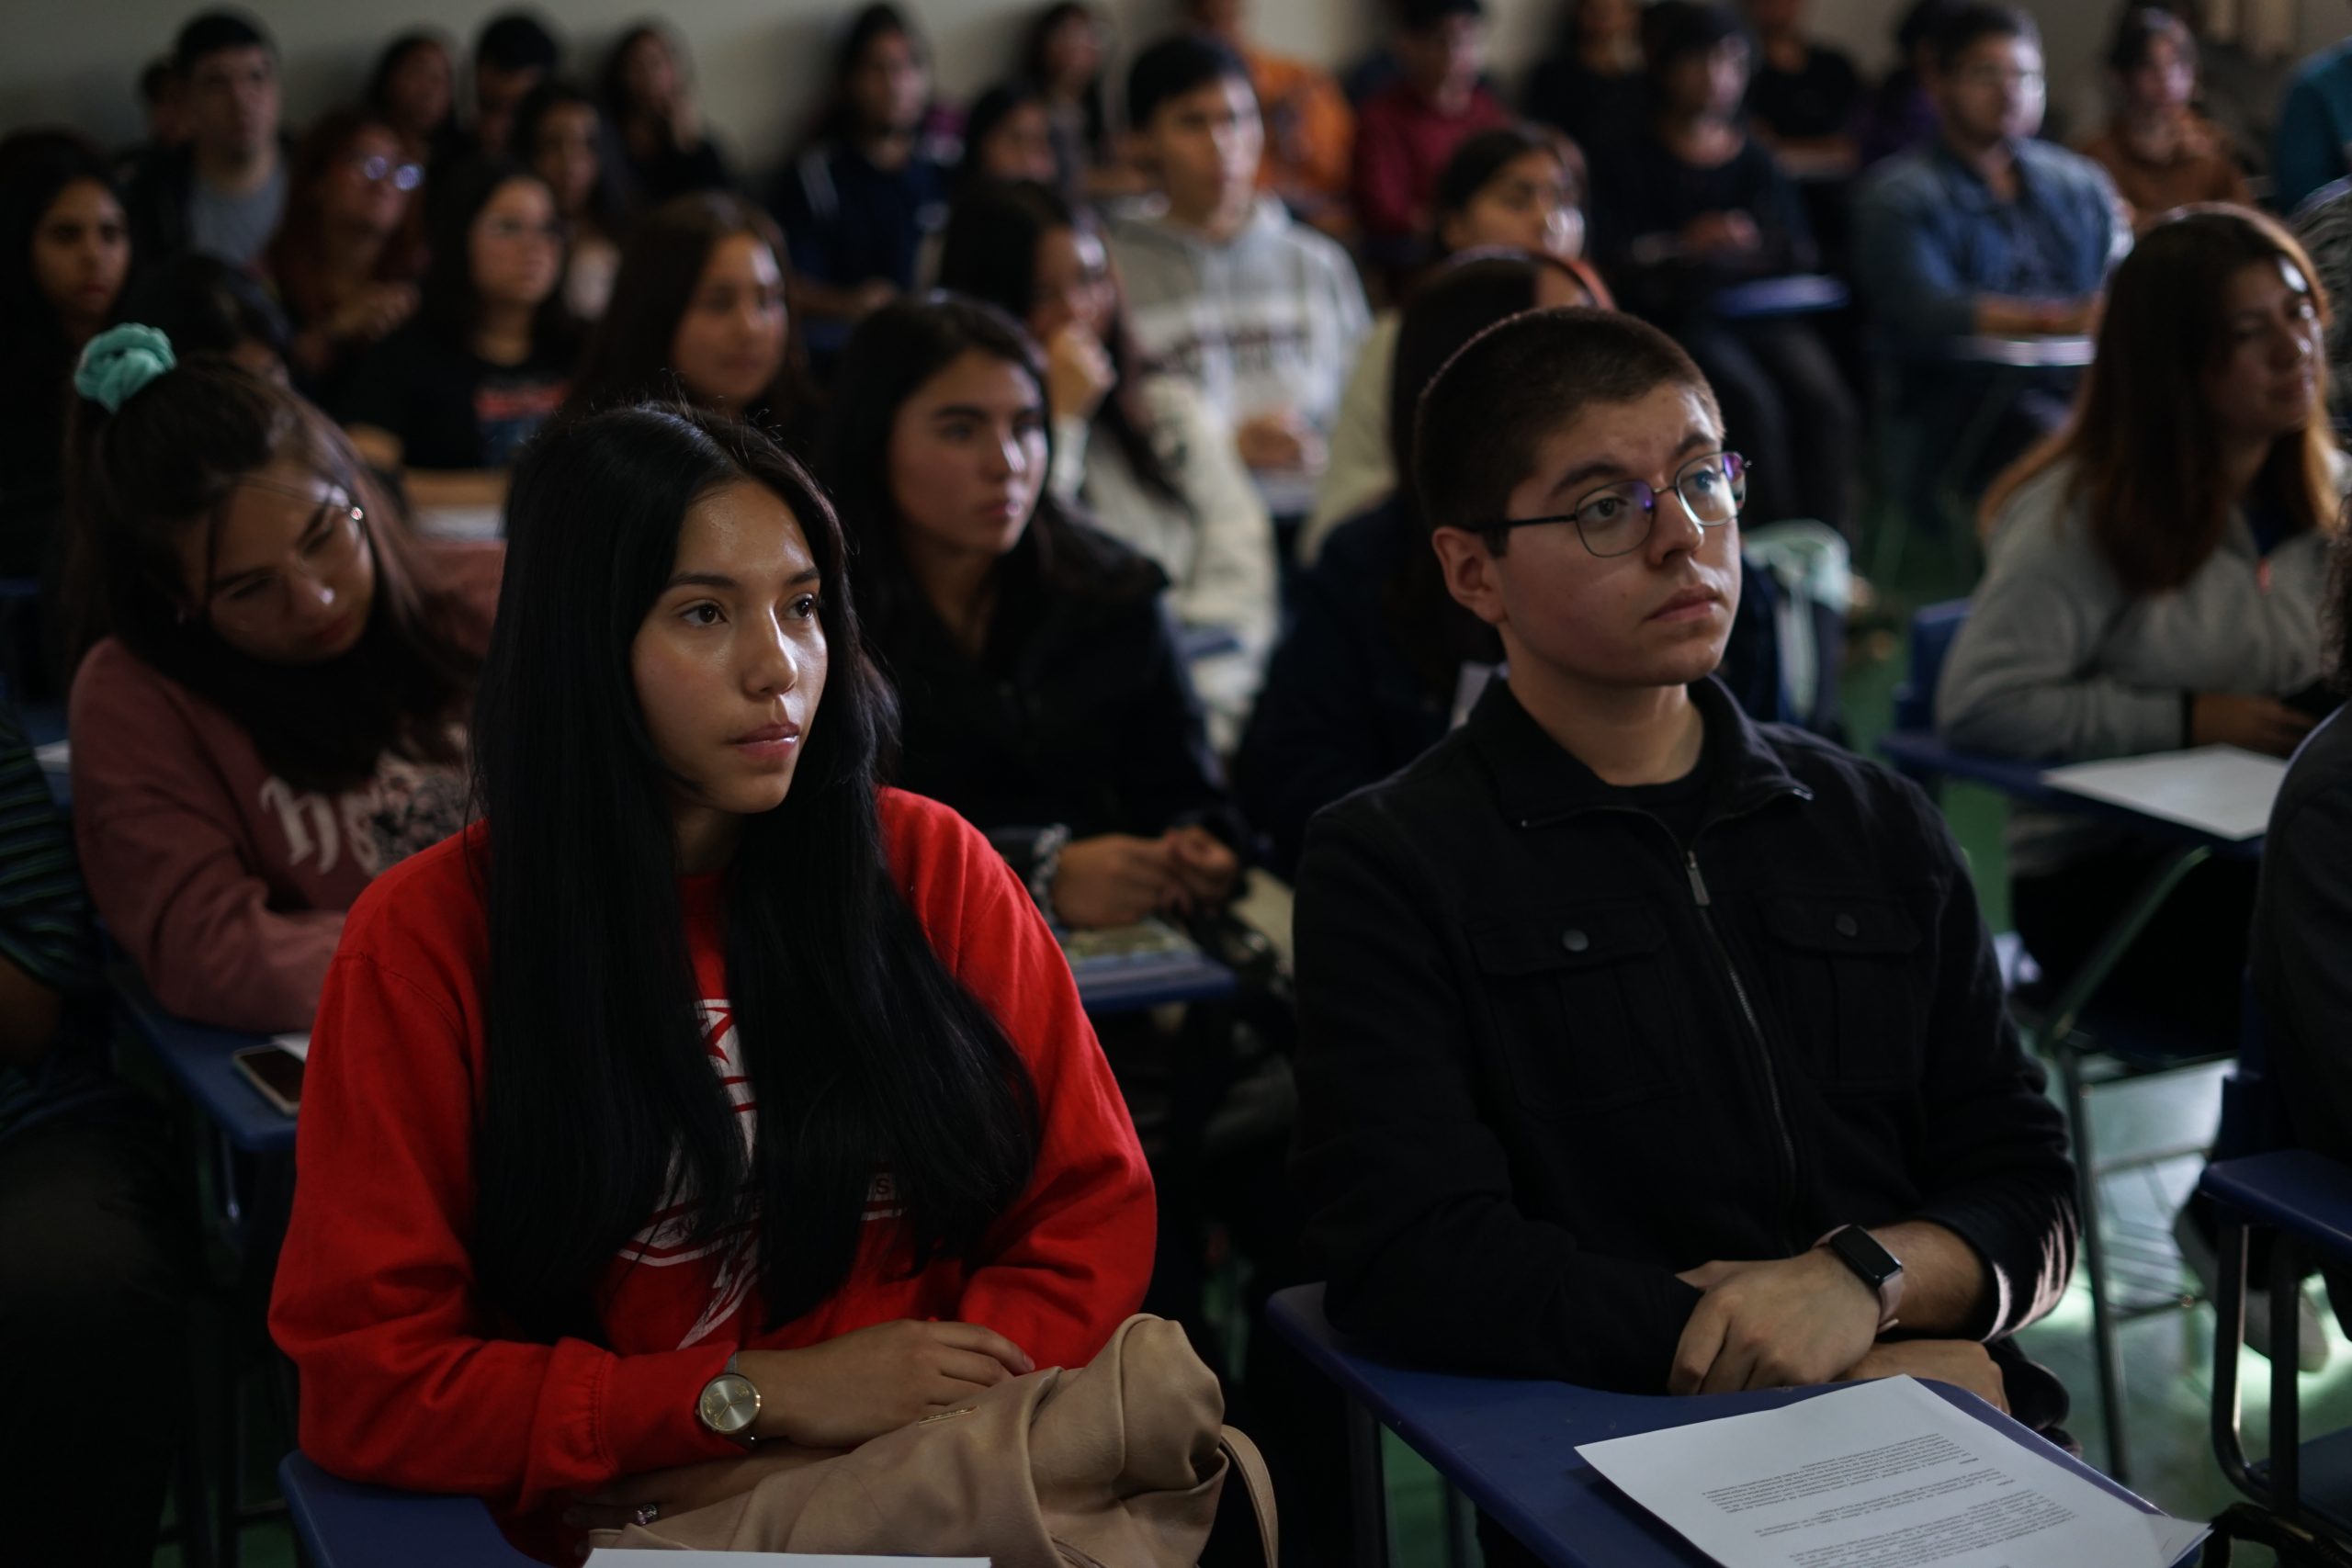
(1932, 631)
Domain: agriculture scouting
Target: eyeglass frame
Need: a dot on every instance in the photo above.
(1649, 499)
(339, 498)
(405, 175)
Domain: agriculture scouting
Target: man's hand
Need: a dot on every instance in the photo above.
(1783, 1323)
(1204, 864)
(1278, 441)
(1964, 1363)
(1711, 233)
(1113, 879)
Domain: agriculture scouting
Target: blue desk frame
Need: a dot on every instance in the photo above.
(343, 1524)
(1509, 1445)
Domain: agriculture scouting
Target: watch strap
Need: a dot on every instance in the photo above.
(1888, 1288)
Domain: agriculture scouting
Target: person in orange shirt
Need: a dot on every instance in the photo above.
(2160, 150)
(1311, 129)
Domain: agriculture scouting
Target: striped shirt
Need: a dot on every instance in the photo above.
(45, 931)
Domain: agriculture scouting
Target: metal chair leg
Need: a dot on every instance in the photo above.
(1369, 1489)
(2106, 1354)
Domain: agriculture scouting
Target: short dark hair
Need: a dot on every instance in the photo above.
(210, 32)
(515, 40)
(1483, 417)
(1971, 25)
(1674, 30)
(1175, 66)
(156, 81)
(1420, 15)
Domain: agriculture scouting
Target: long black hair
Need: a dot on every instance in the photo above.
(553, 93)
(889, 357)
(863, 1052)
(628, 358)
(449, 304)
(165, 463)
(35, 167)
(989, 252)
(1032, 67)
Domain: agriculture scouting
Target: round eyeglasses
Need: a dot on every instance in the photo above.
(1616, 519)
(376, 168)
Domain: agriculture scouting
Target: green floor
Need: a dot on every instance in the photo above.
(2168, 1357)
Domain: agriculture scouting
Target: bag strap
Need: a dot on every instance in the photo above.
(1250, 1466)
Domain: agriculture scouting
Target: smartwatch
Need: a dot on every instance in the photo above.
(729, 1405)
(1872, 1264)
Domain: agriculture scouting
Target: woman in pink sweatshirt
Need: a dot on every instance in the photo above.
(272, 707)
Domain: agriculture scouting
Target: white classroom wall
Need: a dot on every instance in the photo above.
(760, 62)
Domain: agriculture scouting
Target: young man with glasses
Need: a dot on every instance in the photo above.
(1642, 1045)
(1986, 231)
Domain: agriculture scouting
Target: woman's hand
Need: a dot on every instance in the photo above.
(873, 1381)
(2258, 723)
(372, 312)
(1114, 880)
(1077, 373)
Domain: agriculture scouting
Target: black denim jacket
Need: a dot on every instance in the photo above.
(1549, 1057)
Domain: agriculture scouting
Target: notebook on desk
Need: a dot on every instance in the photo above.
(2219, 790)
(1147, 947)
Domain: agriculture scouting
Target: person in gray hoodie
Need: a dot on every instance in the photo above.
(2155, 576)
(1262, 313)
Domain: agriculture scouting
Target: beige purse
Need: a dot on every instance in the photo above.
(1119, 1463)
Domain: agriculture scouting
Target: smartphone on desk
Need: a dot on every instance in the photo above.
(276, 1072)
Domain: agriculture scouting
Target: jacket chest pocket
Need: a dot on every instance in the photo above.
(1846, 968)
(1584, 1019)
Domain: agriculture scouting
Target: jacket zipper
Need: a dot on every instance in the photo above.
(1699, 896)
(1755, 1033)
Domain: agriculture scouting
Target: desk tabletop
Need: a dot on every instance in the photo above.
(1800, 294)
(200, 1060)
(1107, 987)
(1922, 753)
(2018, 352)
(1510, 1443)
(345, 1525)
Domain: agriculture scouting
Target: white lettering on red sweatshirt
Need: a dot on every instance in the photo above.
(403, 1382)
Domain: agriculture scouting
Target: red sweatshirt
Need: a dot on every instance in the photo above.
(403, 1382)
(224, 883)
(1402, 144)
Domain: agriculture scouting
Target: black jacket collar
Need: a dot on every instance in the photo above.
(1538, 780)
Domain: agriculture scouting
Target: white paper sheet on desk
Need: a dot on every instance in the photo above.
(2215, 789)
(631, 1557)
(1882, 1476)
(460, 522)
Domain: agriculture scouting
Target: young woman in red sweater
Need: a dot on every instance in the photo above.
(704, 1070)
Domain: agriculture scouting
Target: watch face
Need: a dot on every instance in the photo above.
(1864, 1255)
(729, 1405)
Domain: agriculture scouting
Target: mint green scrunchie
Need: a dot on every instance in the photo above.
(119, 361)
